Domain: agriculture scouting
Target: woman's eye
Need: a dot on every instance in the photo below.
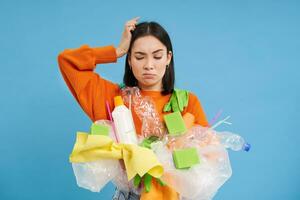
(140, 58)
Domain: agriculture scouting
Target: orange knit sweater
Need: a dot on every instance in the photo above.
(92, 91)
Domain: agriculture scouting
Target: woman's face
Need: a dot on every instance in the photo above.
(148, 60)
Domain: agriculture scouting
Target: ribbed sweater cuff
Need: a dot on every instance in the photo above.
(106, 54)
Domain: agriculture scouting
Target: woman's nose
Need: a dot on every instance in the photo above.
(149, 65)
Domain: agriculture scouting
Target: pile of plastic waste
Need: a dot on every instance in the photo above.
(195, 161)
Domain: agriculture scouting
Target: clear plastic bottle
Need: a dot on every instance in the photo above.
(233, 141)
(123, 121)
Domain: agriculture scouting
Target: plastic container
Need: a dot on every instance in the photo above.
(233, 141)
(124, 124)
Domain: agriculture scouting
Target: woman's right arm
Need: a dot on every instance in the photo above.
(77, 68)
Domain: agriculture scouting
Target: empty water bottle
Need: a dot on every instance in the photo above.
(233, 141)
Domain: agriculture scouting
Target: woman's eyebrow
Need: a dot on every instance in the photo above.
(157, 50)
(143, 53)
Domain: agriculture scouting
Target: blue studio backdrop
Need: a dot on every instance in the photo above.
(238, 56)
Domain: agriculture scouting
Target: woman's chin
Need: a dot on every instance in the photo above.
(148, 84)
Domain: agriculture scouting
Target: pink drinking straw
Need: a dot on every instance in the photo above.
(111, 119)
(215, 117)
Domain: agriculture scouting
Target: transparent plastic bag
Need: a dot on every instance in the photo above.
(95, 175)
(201, 181)
(122, 183)
(108, 123)
(144, 108)
(197, 136)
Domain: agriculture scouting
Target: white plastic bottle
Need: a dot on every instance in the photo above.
(123, 121)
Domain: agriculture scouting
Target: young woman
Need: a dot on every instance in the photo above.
(149, 65)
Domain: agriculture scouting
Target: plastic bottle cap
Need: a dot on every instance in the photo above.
(246, 147)
(118, 101)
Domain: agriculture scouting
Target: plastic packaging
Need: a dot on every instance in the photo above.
(144, 108)
(123, 121)
(233, 141)
(203, 180)
(95, 175)
(200, 181)
(111, 129)
(122, 183)
(196, 136)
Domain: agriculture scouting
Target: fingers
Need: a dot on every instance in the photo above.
(133, 21)
(130, 25)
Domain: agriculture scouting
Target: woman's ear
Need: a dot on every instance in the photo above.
(169, 57)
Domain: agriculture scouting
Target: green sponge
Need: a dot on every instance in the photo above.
(185, 158)
(98, 129)
(175, 123)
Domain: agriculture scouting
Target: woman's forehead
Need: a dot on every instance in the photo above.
(148, 44)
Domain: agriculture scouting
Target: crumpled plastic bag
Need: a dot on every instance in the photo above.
(95, 175)
(203, 180)
(110, 124)
(122, 183)
(144, 108)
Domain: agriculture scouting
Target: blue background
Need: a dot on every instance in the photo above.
(239, 56)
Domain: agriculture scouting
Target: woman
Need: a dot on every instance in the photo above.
(149, 66)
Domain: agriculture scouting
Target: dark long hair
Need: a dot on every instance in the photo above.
(156, 30)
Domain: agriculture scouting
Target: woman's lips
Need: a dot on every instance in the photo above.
(148, 76)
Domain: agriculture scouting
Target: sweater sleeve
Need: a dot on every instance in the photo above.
(194, 107)
(77, 68)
